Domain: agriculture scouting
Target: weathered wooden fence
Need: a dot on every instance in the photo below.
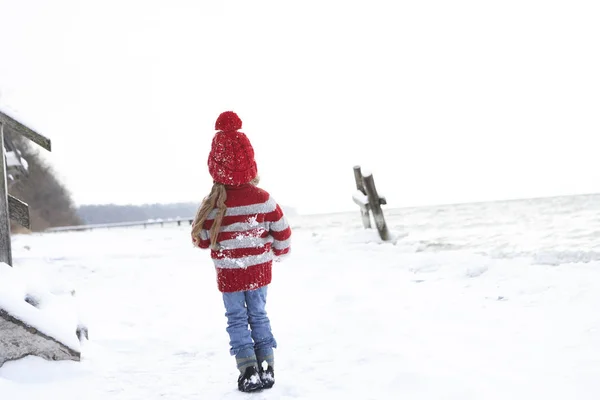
(12, 208)
(18, 338)
(369, 201)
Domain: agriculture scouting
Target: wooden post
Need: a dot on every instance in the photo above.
(364, 211)
(12, 208)
(5, 243)
(375, 204)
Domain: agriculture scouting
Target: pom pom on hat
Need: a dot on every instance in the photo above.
(231, 158)
(228, 121)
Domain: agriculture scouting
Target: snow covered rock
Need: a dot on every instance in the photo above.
(34, 321)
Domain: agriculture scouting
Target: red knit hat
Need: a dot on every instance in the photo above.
(231, 158)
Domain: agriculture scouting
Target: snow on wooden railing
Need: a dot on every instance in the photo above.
(12, 208)
(369, 201)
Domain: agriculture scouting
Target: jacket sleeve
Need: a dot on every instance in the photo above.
(203, 241)
(281, 232)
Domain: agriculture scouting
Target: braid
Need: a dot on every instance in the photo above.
(216, 198)
(216, 226)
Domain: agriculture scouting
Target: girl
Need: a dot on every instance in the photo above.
(245, 230)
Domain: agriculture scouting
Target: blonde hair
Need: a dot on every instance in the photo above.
(216, 199)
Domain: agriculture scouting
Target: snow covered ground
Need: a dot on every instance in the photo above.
(484, 301)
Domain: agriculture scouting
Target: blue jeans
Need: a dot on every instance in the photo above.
(245, 309)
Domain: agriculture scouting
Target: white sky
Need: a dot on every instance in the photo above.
(443, 101)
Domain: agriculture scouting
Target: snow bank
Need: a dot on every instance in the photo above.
(431, 316)
(53, 315)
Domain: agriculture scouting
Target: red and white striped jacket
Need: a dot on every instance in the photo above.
(253, 232)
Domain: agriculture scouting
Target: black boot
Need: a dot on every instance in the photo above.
(249, 381)
(267, 377)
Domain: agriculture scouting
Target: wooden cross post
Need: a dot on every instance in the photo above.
(12, 208)
(375, 203)
(369, 201)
